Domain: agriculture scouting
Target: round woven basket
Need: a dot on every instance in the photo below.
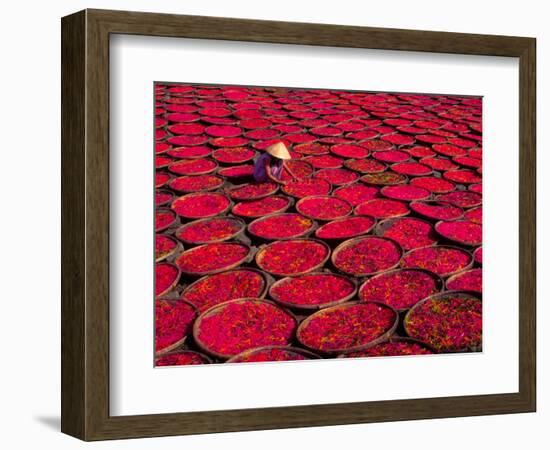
(238, 222)
(445, 275)
(394, 216)
(179, 343)
(267, 281)
(246, 258)
(196, 194)
(439, 296)
(427, 174)
(385, 224)
(383, 337)
(455, 240)
(436, 203)
(165, 192)
(213, 169)
(177, 248)
(171, 184)
(249, 218)
(457, 275)
(336, 239)
(384, 192)
(395, 338)
(296, 350)
(439, 283)
(368, 179)
(262, 251)
(301, 306)
(175, 219)
(173, 284)
(173, 151)
(255, 197)
(214, 309)
(304, 233)
(206, 358)
(299, 207)
(353, 241)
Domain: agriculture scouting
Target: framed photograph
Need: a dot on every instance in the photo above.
(273, 225)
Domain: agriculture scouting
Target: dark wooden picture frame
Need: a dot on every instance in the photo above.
(85, 224)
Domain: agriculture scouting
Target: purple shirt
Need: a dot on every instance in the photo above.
(260, 173)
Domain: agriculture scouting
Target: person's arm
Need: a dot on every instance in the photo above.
(261, 169)
(287, 168)
(270, 174)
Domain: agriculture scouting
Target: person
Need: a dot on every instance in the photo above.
(270, 165)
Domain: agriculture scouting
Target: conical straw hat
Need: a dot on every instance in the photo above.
(278, 150)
